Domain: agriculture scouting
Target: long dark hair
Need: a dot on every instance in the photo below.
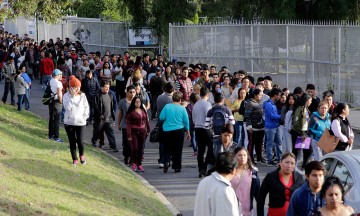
(330, 182)
(301, 102)
(132, 105)
(338, 110)
(237, 149)
(213, 87)
(287, 105)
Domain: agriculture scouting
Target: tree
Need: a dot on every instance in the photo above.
(113, 10)
(50, 10)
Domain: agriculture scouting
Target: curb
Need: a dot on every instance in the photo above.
(160, 196)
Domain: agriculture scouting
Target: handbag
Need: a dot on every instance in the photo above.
(328, 142)
(154, 135)
(302, 143)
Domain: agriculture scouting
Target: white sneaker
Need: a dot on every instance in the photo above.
(161, 165)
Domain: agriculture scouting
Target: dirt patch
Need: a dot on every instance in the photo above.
(3, 152)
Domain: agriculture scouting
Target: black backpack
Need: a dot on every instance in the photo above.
(48, 97)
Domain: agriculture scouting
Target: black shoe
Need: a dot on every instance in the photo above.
(101, 146)
(177, 170)
(93, 143)
(115, 149)
(166, 167)
(271, 163)
(202, 173)
(253, 162)
(262, 161)
(126, 161)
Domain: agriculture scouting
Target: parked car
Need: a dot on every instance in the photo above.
(346, 166)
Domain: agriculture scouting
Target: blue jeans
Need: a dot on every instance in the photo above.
(45, 80)
(316, 150)
(287, 142)
(22, 98)
(273, 137)
(239, 133)
(192, 139)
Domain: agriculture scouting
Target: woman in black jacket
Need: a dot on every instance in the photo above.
(280, 185)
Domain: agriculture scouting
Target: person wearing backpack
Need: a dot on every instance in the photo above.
(55, 106)
(219, 115)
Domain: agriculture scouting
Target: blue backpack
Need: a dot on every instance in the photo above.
(218, 120)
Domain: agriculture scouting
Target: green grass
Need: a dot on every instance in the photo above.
(37, 177)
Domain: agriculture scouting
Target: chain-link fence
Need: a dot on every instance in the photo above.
(293, 54)
(112, 36)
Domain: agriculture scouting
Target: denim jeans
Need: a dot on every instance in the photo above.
(21, 99)
(45, 80)
(239, 133)
(273, 138)
(287, 142)
(316, 150)
(192, 139)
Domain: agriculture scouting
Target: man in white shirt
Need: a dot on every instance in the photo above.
(214, 195)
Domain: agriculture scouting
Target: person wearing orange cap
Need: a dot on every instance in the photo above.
(76, 112)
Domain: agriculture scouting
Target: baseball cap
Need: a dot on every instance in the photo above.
(73, 49)
(56, 72)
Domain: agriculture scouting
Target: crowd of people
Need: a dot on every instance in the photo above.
(230, 119)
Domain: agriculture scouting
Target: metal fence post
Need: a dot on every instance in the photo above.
(170, 42)
(252, 49)
(287, 56)
(339, 63)
(313, 54)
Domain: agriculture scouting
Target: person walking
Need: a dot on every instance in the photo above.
(76, 113)
(176, 122)
(137, 129)
(189, 108)
(306, 200)
(214, 195)
(280, 185)
(90, 86)
(246, 181)
(104, 115)
(332, 192)
(203, 135)
(55, 107)
(20, 90)
(124, 105)
(341, 128)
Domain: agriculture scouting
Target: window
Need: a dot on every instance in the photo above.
(328, 162)
(343, 173)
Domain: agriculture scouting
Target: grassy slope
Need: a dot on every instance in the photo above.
(37, 178)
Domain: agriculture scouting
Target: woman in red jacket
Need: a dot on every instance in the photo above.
(137, 128)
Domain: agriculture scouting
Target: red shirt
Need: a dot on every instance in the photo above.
(46, 66)
(282, 211)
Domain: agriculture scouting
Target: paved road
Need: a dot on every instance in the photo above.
(178, 188)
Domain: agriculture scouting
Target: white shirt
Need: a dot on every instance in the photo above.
(76, 109)
(55, 84)
(336, 129)
(216, 197)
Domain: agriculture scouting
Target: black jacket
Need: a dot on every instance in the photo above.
(99, 107)
(272, 185)
(90, 87)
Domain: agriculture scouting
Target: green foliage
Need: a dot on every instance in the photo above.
(50, 10)
(157, 14)
(111, 10)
